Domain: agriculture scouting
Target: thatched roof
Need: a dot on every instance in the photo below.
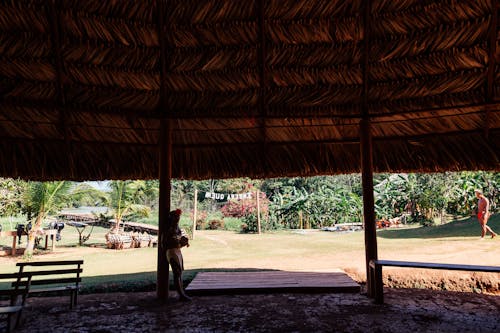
(253, 88)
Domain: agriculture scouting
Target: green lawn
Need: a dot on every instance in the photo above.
(135, 269)
(468, 227)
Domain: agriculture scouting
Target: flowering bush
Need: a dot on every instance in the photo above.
(245, 207)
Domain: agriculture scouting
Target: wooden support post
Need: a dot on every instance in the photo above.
(14, 243)
(165, 176)
(195, 212)
(366, 150)
(368, 200)
(165, 157)
(258, 212)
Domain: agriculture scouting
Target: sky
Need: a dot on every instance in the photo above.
(100, 185)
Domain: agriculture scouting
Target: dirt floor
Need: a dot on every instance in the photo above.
(405, 310)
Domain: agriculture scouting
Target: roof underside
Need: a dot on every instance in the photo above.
(261, 88)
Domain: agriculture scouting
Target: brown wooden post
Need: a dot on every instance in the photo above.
(195, 212)
(165, 158)
(258, 212)
(368, 199)
(366, 150)
(165, 177)
(14, 243)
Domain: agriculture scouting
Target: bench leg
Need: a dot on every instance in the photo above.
(73, 299)
(9, 319)
(378, 285)
(18, 318)
(369, 282)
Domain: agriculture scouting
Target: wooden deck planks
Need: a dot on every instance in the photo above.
(209, 283)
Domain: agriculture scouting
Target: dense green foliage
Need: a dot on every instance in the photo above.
(284, 202)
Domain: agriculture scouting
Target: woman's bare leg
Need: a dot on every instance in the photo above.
(178, 281)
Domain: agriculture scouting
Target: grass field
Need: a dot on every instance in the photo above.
(309, 250)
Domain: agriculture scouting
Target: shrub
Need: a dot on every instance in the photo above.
(249, 224)
(244, 207)
(200, 224)
(232, 223)
(216, 224)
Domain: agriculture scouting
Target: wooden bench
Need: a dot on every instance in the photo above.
(375, 272)
(16, 297)
(61, 280)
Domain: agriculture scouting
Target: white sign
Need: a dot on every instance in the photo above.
(226, 196)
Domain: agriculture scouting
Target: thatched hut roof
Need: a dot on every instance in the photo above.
(253, 88)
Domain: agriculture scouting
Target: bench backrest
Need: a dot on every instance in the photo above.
(59, 272)
(20, 286)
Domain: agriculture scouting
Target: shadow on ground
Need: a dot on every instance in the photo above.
(144, 281)
(406, 310)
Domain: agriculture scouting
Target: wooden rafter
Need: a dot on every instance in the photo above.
(54, 20)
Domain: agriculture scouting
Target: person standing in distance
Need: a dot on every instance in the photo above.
(483, 213)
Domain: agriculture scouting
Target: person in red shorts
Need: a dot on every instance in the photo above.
(483, 213)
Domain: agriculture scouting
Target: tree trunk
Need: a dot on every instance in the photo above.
(31, 235)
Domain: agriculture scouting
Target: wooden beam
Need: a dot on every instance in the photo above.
(156, 115)
(346, 141)
(490, 78)
(262, 84)
(366, 150)
(165, 164)
(341, 122)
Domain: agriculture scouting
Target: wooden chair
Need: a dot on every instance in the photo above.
(15, 297)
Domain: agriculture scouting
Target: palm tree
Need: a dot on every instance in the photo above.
(127, 197)
(40, 200)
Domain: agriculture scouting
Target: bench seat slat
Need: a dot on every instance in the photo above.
(12, 292)
(55, 271)
(456, 267)
(46, 290)
(10, 309)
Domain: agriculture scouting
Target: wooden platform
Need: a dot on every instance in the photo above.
(215, 283)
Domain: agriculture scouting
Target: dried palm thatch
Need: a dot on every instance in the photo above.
(260, 88)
